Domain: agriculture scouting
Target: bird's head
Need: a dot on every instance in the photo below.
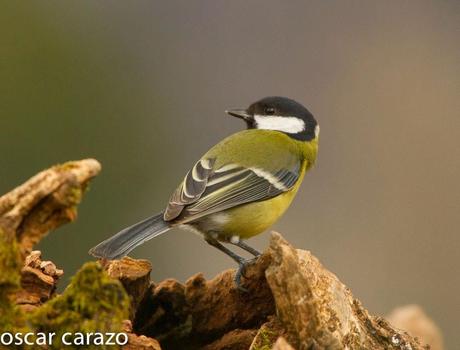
(280, 114)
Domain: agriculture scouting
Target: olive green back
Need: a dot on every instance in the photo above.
(266, 149)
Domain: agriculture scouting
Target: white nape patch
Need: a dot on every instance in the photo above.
(270, 178)
(291, 125)
(317, 130)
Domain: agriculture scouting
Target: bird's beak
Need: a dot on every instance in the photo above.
(239, 113)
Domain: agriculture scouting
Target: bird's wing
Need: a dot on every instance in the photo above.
(206, 190)
(191, 189)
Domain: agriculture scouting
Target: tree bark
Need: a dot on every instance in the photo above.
(292, 300)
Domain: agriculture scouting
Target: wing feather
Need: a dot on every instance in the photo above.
(205, 191)
(190, 190)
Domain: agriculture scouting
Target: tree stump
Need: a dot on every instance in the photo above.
(292, 300)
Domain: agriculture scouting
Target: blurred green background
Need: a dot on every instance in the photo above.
(142, 86)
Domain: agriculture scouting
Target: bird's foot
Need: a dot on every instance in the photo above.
(242, 265)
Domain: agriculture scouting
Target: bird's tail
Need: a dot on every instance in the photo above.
(126, 240)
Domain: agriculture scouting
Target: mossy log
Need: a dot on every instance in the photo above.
(293, 302)
(93, 301)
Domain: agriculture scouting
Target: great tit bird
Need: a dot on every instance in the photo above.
(240, 187)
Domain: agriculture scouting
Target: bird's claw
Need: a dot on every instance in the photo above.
(243, 264)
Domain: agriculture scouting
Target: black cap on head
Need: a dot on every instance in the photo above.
(281, 114)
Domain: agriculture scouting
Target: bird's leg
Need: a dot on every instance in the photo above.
(250, 250)
(225, 250)
(246, 247)
(240, 260)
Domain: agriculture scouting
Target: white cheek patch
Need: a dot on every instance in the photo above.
(316, 130)
(291, 125)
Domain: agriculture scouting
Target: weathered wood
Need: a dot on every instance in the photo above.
(319, 311)
(413, 319)
(138, 342)
(282, 344)
(134, 275)
(27, 214)
(292, 300)
(45, 202)
(38, 281)
(237, 339)
(27, 284)
(201, 312)
(314, 310)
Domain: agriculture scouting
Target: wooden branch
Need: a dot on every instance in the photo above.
(134, 275)
(45, 202)
(282, 344)
(27, 214)
(314, 310)
(319, 311)
(138, 342)
(200, 312)
(293, 302)
(38, 282)
(414, 320)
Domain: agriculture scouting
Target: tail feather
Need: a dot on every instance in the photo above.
(126, 240)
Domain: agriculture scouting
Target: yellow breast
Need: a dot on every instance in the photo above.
(254, 218)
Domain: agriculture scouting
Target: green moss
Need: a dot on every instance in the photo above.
(265, 339)
(10, 264)
(66, 166)
(93, 302)
(74, 195)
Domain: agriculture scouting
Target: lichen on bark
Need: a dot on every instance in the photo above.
(293, 301)
(10, 264)
(93, 302)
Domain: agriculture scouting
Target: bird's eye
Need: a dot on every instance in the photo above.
(269, 111)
